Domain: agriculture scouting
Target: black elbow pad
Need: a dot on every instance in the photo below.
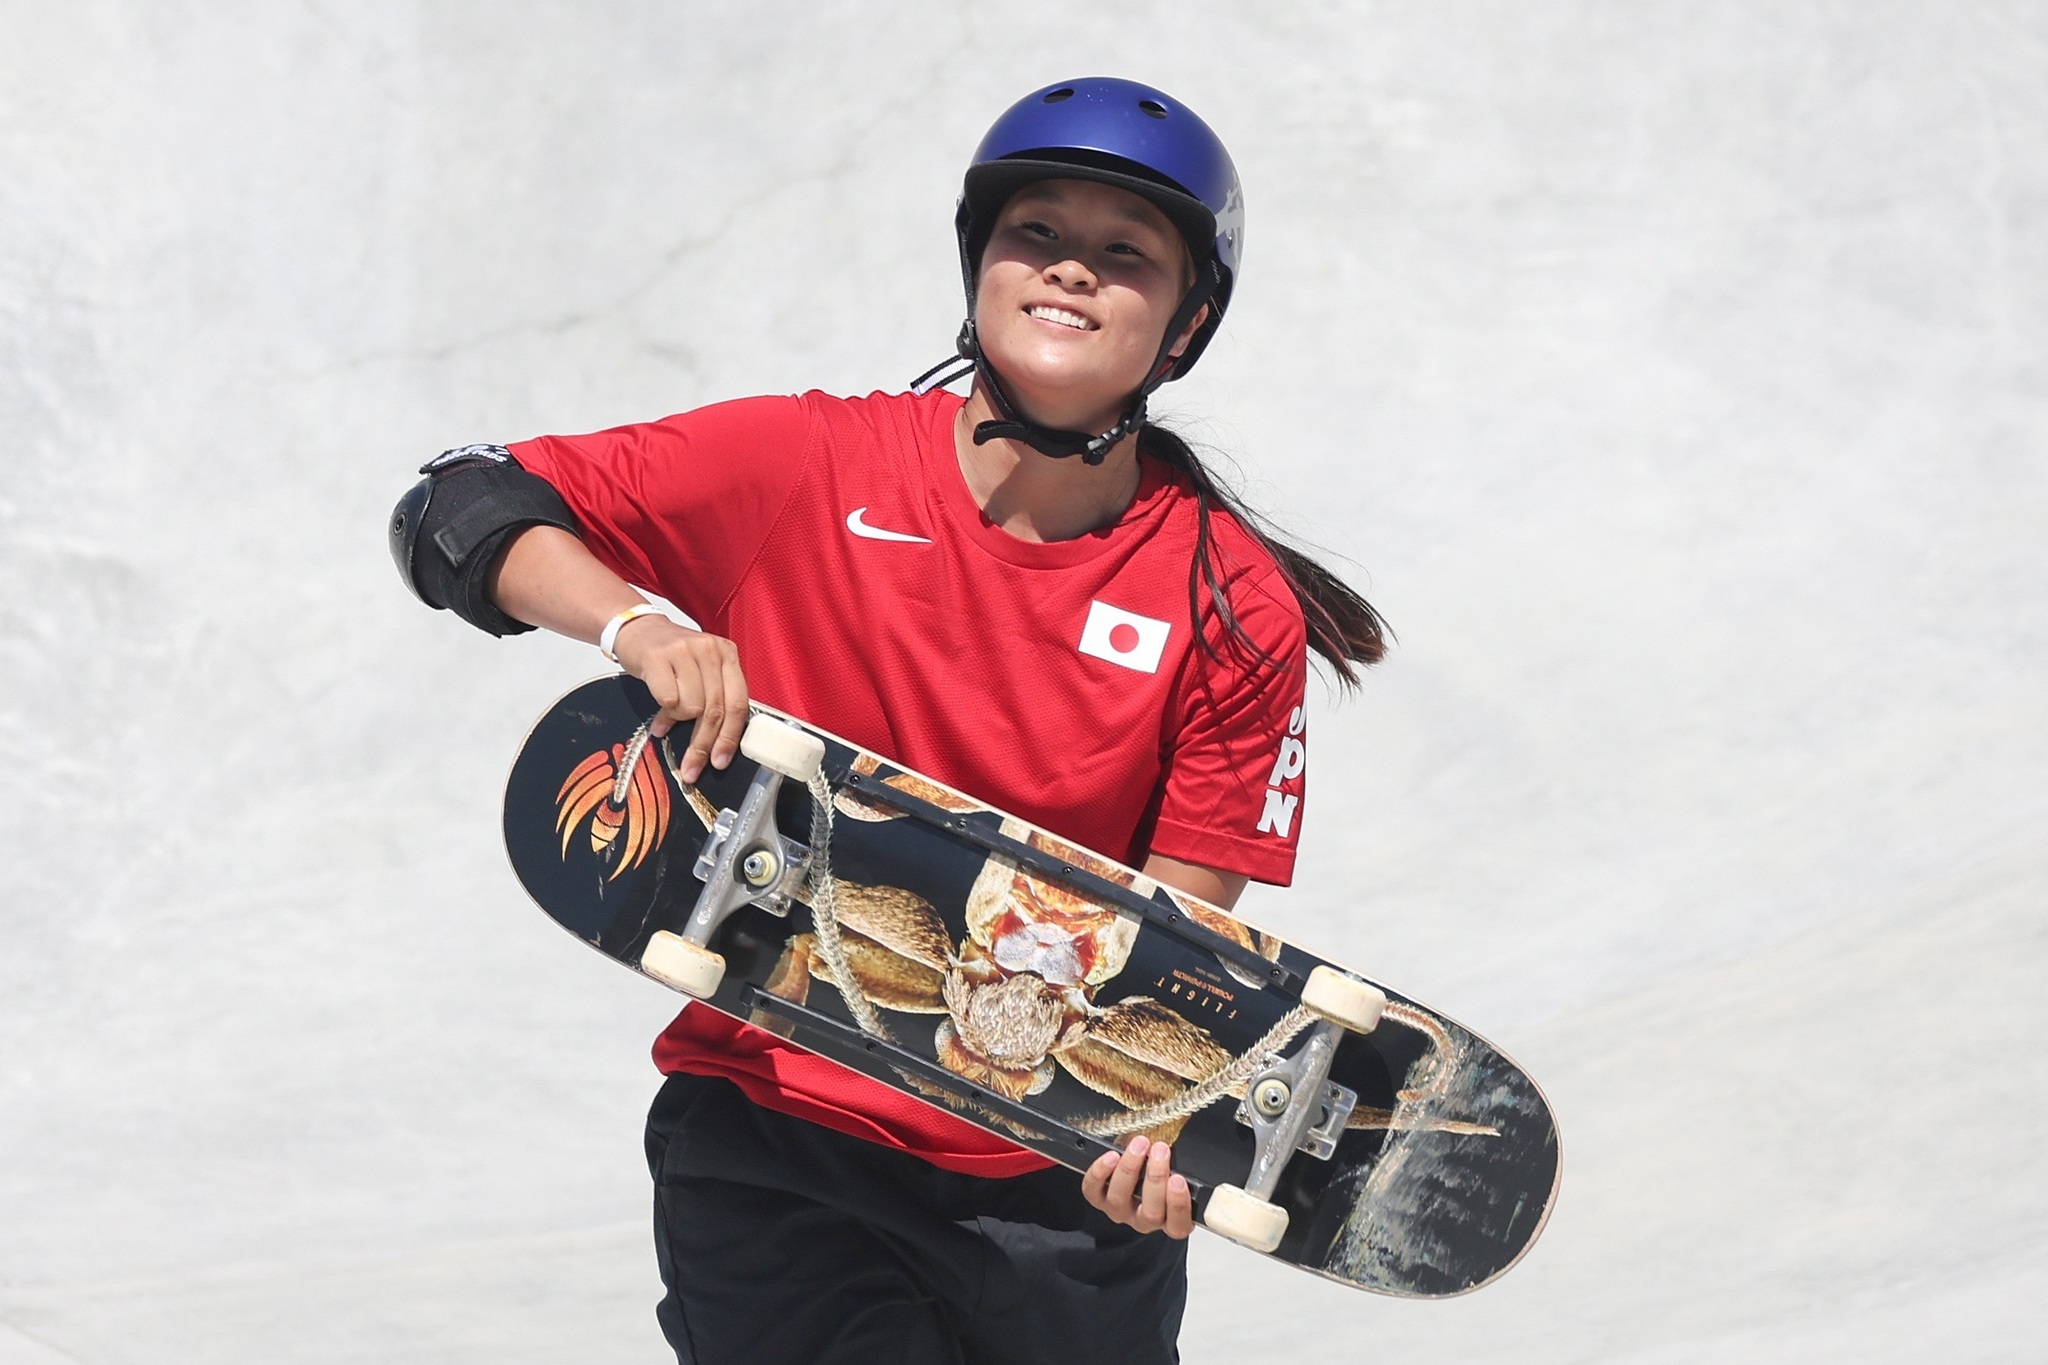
(448, 528)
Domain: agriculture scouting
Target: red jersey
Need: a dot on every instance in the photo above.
(836, 543)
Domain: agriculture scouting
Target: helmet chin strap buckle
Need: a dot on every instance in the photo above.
(1012, 425)
(1057, 444)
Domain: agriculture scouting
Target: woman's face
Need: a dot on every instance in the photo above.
(1077, 285)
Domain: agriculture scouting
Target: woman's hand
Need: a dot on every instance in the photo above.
(695, 677)
(547, 577)
(1162, 1202)
(1138, 1189)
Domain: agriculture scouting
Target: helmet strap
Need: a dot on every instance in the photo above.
(945, 372)
(1012, 425)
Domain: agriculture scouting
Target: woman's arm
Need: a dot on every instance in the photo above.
(1221, 889)
(547, 577)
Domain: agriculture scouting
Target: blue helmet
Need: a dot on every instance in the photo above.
(1136, 138)
(1124, 134)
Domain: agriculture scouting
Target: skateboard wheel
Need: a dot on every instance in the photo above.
(1343, 1000)
(681, 965)
(1245, 1219)
(782, 748)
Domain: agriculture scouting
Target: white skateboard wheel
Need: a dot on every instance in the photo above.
(782, 748)
(1245, 1219)
(1343, 1000)
(681, 965)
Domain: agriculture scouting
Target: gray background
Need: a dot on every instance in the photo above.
(1672, 374)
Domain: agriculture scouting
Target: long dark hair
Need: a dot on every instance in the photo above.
(1342, 626)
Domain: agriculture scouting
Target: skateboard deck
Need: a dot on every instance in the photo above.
(1048, 994)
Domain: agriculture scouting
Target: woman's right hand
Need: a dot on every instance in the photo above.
(547, 577)
(695, 677)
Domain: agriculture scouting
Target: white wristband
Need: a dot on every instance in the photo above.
(609, 636)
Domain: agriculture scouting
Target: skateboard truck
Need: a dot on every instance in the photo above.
(1292, 1105)
(759, 867)
(745, 860)
(1286, 1114)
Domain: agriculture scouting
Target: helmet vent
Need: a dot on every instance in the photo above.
(1153, 107)
(1055, 96)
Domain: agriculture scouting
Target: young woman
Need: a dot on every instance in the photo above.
(1032, 594)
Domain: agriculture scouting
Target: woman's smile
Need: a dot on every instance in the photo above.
(1065, 317)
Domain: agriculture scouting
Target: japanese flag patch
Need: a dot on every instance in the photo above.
(1124, 638)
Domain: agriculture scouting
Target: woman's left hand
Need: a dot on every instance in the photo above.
(1137, 1188)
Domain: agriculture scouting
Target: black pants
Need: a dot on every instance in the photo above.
(784, 1241)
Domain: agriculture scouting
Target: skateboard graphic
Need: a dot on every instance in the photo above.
(958, 954)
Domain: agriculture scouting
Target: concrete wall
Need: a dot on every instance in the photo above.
(1673, 376)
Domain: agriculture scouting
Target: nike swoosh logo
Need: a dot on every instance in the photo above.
(867, 532)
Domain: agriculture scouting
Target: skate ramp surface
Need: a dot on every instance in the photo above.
(1671, 379)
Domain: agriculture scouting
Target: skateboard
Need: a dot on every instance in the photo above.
(906, 930)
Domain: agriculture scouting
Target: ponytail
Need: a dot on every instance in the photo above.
(1342, 626)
